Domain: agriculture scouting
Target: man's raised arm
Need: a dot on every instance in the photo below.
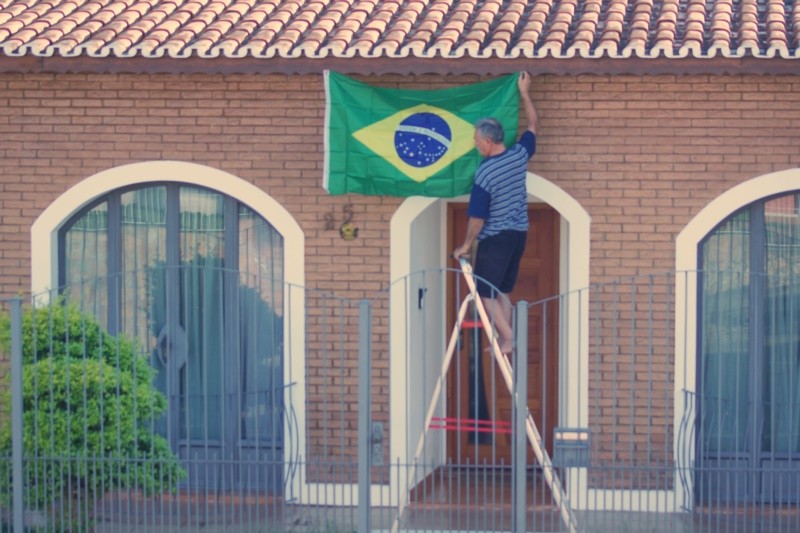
(524, 84)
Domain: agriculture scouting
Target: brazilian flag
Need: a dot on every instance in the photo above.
(409, 142)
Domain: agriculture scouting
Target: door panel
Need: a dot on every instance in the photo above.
(490, 399)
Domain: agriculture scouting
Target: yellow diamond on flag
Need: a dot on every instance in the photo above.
(419, 141)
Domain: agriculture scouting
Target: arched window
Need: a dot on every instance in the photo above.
(197, 278)
(748, 365)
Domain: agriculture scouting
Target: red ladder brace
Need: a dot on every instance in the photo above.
(503, 363)
(471, 425)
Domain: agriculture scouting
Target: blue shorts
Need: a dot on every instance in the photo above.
(497, 262)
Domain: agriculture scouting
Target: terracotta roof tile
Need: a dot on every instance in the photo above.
(795, 29)
(585, 31)
(639, 29)
(613, 27)
(401, 28)
(533, 29)
(776, 37)
(453, 28)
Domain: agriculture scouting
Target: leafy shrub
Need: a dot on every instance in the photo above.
(88, 411)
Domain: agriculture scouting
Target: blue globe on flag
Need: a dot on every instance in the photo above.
(422, 139)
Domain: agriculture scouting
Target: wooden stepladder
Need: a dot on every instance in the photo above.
(535, 439)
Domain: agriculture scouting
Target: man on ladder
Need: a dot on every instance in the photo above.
(498, 220)
(498, 212)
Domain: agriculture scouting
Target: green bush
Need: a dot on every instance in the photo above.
(88, 411)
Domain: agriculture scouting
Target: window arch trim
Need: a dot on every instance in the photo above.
(44, 232)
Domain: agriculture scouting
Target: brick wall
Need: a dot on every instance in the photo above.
(642, 154)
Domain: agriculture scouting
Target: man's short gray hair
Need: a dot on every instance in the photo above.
(490, 128)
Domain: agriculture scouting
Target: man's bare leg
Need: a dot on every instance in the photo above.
(499, 311)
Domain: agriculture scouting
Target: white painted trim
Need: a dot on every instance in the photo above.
(574, 275)
(326, 135)
(44, 231)
(400, 267)
(686, 266)
(725, 205)
(575, 253)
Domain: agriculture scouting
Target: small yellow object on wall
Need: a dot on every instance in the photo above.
(348, 231)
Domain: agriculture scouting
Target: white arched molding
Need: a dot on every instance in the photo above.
(44, 232)
(574, 278)
(44, 244)
(686, 266)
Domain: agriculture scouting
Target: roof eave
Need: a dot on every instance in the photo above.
(401, 66)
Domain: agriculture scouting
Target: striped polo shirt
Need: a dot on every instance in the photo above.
(499, 196)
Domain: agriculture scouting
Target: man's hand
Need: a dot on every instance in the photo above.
(461, 251)
(474, 226)
(524, 82)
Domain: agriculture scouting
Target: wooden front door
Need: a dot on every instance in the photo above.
(476, 389)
